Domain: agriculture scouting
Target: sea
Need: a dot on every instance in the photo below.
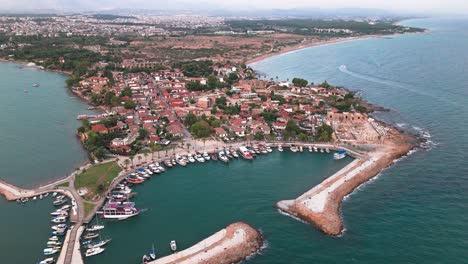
(413, 212)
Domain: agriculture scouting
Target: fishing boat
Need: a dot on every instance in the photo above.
(245, 153)
(47, 261)
(341, 154)
(280, 148)
(90, 236)
(51, 251)
(93, 251)
(119, 210)
(98, 243)
(173, 245)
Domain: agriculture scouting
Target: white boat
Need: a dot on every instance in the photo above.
(173, 245)
(341, 154)
(327, 150)
(59, 212)
(181, 162)
(94, 228)
(53, 243)
(321, 150)
(47, 261)
(59, 219)
(315, 149)
(54, 194)
(206, 156)
(94, 251)
(293, 149)
(199, 158)
(90, 236)
(191, 159)
(152, 253)
(235, 154)
(268, 148)
(245, 153)
(51, 251)
(310, 149)
(99, 243)
(59, 227)
(301, 149)
(280, 148)
(119, 210)
(54, 238)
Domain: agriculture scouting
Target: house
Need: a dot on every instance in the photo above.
(100, 128)
(221, 133)
(240, 132)
(175, 130)
(279, 125)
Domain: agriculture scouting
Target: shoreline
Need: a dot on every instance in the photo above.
(294, 48)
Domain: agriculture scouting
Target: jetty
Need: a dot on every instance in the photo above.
(230, 245)
(320, 206)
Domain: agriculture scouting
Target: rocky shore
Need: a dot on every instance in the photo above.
(320, 206)
(230, 245)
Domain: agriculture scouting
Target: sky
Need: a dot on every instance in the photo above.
(456, 6)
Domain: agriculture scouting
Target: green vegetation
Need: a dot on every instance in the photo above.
(324, 133)
(64, 184)
(201, 129)
(300, 82)
(88, 208)
(97, 178)
(195, 68)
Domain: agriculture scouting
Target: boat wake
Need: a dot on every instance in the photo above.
(400, 85)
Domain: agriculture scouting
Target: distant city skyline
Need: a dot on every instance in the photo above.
(414, 6)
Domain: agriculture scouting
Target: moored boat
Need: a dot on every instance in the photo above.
(339, 155)
(93, 251)
(245, 153)
(173, 245)
(51, 251)
(98, 243)
(94, 228)
(280, 148)
(119, 210)
(90, 236)
(47, 261)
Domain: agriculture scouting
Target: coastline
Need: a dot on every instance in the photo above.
(301, 46)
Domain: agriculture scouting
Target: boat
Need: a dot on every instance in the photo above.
(119, 210)
(59, 212)
(34, 198)
(214, 156)
(59, 219)
(206, 156)
(235, 154)
(35, 85)
(47, 261)
(293, 148)
(321, 150)
(152, 253)
(310, 149)
(341, 154)
(301, 149)
(59, 227)
(222, 156)
(93, 251)
(134, 180)
(245, 153)
(173, 245)
(199, 158)
(268, 148)
(315, 149)
(98, 243)
(168, 163)
(191, 159)
(181, 162)
(90, 236)
(280, 148)
(59, 202)
(51, 251)
(174, 162)
(53, 243)
(94, 228)
(54, 194)
(59, 232)
(54, 238)
(65, 207)
(87, 242)
(327, 150)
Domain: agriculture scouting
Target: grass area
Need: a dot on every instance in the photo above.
(97, 178)
(88, 207)
(64, 184)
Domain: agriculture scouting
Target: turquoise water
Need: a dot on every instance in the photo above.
(38, 135)
(415, 212)
(189, 204)
(38, 144)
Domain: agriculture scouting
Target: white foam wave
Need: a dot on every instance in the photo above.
(292, 216)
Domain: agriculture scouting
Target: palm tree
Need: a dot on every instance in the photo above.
(132, 157)
(127, 161)
(152, 146)
(139, 159)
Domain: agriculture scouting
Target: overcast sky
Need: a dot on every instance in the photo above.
(458, 6)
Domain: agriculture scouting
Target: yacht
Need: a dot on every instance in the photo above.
(206, 156)
(199, 158)
(119, 210)
(98, 243)
(47, 261)
(191, 159)
(341, 154)
(59, 219)
(90, 236)
(94, 228)
(222, 156)
(94, 251)
(245, 153)
(51, 251)
(293, 148)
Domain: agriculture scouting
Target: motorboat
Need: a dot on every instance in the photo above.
(327, 150)
(119, 210)
(53, 243)
(90, 236)
(315, 149)
(280, 148)
(173, 245)
(199, 158)
(245, 153)
(206, 156)
(310, 149)
(59, 227)
(301, 149)
(93, 228)
(93, 251)
(168, 163)
(293, 148)
(235, 154)
(59, 202)
(98, 243)
(191, 159)
(341, 154)
(47, 261)
(268, 148)
(51, 251)
(59, 219)
(65, 207)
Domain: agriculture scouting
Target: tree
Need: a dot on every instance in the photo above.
(127, 162)
(201, 129)
(324, 133)
(129, 104)
(214, 110)
(325, 85)
(139, 159)
(221, 102)
(190, 119)
(259, 136)
(299, 82)
(212, 82)
(142, 134)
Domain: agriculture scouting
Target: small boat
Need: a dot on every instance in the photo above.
(90, 236)
(174, 162)
(206, 156)
(173, 245)
(59, 213)
(59, 202)
(40, 196)
(341, 154)
(315, 149)
(321, 150)
(214, 156)
(59, 227)
(59, 232)
(65, 207)
(59, 219)
(293, 148)
(134, 180)
(93, 251)
(47, 261)
(99, 243)
(199, 158)
(54, 238)
(152, 253)
(46, 194)
(54, 194)
(60, 197)
(301, 149)
(94, 228)
(34, 198)
(268, 148)
(327, 150)
(191, 159)
(168, 163)
(245, 153)
(235, 154)
(53, 243)
(87, 242)
(51, 251)
(310, 149)
(35, 85)
(280, 148)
